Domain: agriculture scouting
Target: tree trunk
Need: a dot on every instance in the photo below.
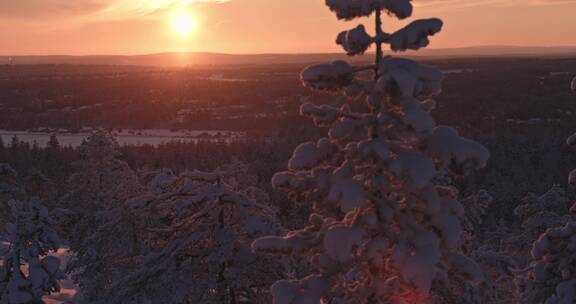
(379, 52)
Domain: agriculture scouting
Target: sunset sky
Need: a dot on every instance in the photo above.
(82, 27)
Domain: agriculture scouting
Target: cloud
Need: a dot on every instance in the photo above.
(99, 9)
(474, 3)
(147, 8)
(17, 9)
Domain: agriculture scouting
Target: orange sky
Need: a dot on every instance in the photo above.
(261, 26)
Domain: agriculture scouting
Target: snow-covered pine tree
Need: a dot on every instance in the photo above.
(100, 179)
(39, 185)
(192, 244)
(503, 256)
(107, 253)
(535, 214)
(28, 273)
(10, 189)
(475, 208)
(101, 182)
(241, 178)
(53, 143)
(571, 141)
(382, 229)
(550, 277)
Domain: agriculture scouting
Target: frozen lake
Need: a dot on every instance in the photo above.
(126, 137)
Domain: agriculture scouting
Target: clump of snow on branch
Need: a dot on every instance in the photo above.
(350, 9)
(382, 229)
(415, 35)
(404, 78)
(455, 151)
(355, 41)
(329, 77)
(28, 271)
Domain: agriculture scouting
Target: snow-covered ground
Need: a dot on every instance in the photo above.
(124, 137)
(68, 289)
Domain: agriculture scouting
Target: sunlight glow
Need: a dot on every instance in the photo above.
(183, 24)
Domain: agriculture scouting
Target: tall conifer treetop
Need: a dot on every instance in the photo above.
(382, 229)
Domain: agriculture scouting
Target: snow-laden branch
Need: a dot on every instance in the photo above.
(453, 150)
(350, 9)
(406, 78)
(329, 77)
(412, 37)
(355, 41)
(415, 35)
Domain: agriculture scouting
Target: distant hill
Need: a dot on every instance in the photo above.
(187, 59)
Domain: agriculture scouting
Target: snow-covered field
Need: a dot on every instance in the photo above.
(459, 71)
(125, 137)
(220, 77)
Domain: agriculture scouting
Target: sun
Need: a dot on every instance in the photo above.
(183, 24)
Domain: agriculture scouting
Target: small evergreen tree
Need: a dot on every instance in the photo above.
(550, 278)
(53, 142)
(101, 182)
(535, 215)
(572, 141)
(39, 185)
(14, 142)
(551, 275)
(10, 189)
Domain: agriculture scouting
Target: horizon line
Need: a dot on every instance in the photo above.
(275, 53)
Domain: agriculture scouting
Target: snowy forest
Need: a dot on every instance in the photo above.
(371, 201)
